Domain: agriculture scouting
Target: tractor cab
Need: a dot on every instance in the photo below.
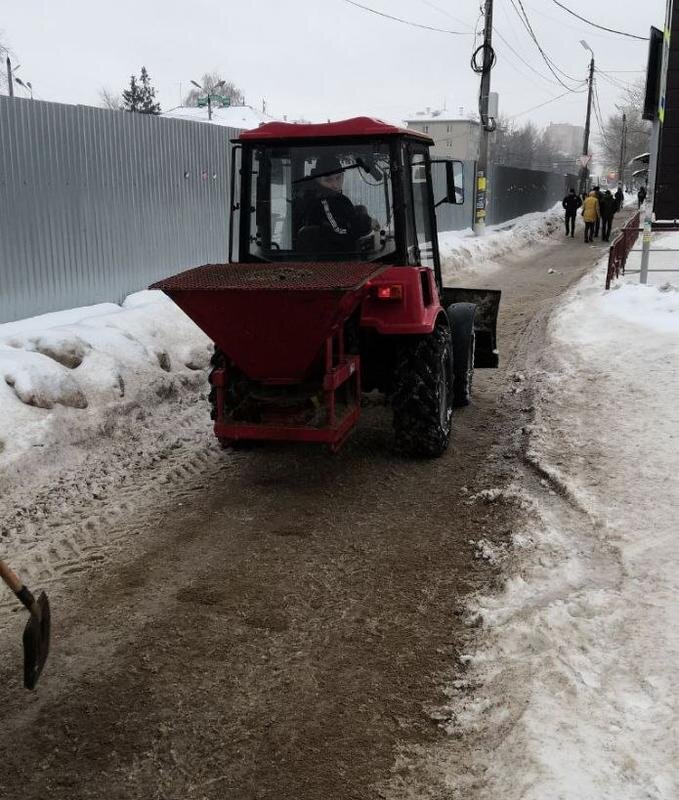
(358, 190)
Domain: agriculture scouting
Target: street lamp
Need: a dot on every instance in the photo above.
(27, 85)
(208, 94)
(584, 172)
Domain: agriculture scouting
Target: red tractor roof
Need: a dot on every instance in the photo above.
(356, 126)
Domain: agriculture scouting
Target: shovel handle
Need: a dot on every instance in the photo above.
(14, 582)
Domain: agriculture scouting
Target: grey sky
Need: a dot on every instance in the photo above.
(323, 58)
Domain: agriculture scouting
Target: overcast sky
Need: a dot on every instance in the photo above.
(326, 58)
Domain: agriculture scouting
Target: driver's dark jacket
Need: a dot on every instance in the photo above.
(338, 221)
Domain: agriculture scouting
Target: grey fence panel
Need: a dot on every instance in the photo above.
(95, 204)
(514, 191)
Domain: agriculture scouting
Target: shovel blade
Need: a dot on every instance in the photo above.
(36, 642)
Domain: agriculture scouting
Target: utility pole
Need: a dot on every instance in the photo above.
(623, 147)
(487, 125)
(584, 172)
(9, 77)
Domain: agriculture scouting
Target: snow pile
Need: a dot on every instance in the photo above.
(60, 373)
(578, 693)
(462, 249)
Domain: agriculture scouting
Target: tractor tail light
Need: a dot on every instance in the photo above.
(392, 291)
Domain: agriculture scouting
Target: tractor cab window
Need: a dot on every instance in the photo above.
(323, 203)
(423, 212)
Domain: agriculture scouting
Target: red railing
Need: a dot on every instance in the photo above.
(621, 247)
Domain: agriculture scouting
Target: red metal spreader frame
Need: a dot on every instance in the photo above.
(340, 368)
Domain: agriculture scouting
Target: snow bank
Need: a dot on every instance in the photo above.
(462, 250)
(61, 372)
(577, 668)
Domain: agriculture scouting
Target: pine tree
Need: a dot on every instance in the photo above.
(133, 97)
(149, 104)
(141, 97)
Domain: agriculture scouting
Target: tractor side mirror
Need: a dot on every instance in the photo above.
(455, 182)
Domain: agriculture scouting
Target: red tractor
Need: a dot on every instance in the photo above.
(336, 290)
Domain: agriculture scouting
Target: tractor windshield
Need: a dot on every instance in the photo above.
(327, 203)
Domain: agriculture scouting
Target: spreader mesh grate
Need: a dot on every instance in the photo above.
(342, 276)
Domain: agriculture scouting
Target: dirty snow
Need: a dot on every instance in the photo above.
(572, 693)
(61, 372)
(463, 251)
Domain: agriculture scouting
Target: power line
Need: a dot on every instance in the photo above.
(615, 82)
(518, 55)
(601, 27)
(405, 21)
(522, 60)
(446, 13)
(552, 100)
(523, 16)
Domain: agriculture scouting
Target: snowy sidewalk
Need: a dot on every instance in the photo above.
(578, 697)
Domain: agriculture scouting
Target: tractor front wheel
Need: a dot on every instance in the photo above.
(422, 397)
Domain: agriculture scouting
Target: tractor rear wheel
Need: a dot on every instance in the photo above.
(423, 394)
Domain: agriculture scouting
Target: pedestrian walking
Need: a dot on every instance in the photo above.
(597, 191)
(571, 204)
(590, 214)
(607, 210)
(641, 195)
(619, 199)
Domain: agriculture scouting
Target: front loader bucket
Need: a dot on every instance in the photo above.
(487, 302)
(270, 319)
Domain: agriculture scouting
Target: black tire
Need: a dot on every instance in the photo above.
(235, 391)
(422, 395)
(218, 361)
(461, 316)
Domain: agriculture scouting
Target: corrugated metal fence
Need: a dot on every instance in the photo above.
(95, 204)
(515, 191)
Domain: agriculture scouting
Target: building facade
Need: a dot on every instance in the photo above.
(453, 137)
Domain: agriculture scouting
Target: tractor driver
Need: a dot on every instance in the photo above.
(327, 221)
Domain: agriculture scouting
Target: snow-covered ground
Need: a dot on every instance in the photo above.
(576, 672)
(571, 693)
(61, 374)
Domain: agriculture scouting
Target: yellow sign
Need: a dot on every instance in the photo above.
(481, 183)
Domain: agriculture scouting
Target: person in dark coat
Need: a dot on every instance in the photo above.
(597, 191)
(619, 199)
(326, 221)
(571, 204)
(641, 195)
(607, 211)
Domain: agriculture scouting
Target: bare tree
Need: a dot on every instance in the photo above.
(524, 146)
(4, 52)
(637, 130)
(209, 82)
(110, 99)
